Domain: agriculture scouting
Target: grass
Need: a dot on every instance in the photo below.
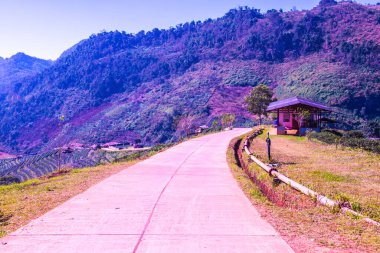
(345, 175)
(328, 176)
(329, 170)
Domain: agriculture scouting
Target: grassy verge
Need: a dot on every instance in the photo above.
(306, 226)
(23, 202)
(346, 175)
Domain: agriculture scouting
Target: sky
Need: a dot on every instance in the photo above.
(45, 28)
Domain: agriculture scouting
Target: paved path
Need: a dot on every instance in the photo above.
(181, 200)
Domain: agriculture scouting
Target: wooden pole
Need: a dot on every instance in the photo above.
(278, 117)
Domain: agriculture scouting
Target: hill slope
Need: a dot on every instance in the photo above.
(19, 66)
(149, 86)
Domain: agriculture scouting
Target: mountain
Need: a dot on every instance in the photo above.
(154, 85)
(18, 67)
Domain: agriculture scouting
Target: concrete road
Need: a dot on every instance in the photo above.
(182, 200)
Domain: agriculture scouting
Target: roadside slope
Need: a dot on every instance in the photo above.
(181, 200)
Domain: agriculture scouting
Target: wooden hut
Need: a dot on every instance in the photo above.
(290, 115)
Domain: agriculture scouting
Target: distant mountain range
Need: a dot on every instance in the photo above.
(153, 85)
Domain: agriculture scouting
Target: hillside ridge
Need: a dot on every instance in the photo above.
(155, 85)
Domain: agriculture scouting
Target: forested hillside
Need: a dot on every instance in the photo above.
(17, 67)
(154, 85)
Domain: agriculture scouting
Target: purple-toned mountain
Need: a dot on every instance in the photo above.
(19, 66)
(153, 85)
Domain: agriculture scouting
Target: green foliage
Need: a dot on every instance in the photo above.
(243, 77)
(366, 144)
(116, 84)
(371, 127)
(354, 134)
(327, 2)
(8, 180)
(259, 99)
(4, 218)
(343, 198)
(352, 139)
(328, 176)
(336, 85)
(333, 131)
(356, 206)
(228, 119)
(326, 137)
(302, 115)
(215, 125)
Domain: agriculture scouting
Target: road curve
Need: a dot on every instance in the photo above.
(182, 200)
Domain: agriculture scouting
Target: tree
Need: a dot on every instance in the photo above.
(258, 100)
(327, 2)
(302, 115)
(228, 120)
(215, 125)
(185, 124)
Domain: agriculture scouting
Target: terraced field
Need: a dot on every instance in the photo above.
(21, 169)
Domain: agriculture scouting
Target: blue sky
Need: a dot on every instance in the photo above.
(45, 28)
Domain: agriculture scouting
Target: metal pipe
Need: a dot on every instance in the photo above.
(320, 198)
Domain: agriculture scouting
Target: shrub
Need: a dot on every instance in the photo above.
(333, 131)
(8, 180)
(366, 144)
(4, 218)
(326, 137)
(353, 139)
(354, 134)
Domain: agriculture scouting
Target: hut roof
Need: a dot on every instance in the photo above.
(296, 101)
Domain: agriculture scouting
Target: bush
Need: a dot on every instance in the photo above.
(366, 144)
(8, 180)
(354, 134)
(333, 131)
(353, 139)
(326, 137)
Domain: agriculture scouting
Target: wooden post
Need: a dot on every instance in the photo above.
(278, 117)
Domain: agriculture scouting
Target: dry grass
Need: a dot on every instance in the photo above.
(309, 227)
(344, 175)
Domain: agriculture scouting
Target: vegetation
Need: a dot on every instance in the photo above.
(18, 67)
(302, 115)
(352, 139)
(228, 120)
(29, 167)
(119, 86)
(344, 175)
(258, 100)
(328, 170)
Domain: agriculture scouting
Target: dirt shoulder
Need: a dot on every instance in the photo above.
(305, 225)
